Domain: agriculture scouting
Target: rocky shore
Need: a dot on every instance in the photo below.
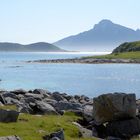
(112, 116)
(87, 61)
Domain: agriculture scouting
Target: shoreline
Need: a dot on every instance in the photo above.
(88, 61)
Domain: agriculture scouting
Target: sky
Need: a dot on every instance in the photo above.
(29, 21)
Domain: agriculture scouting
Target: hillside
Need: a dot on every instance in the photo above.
(35, 47)
(128, 50)
(104, 36)
(128, 47)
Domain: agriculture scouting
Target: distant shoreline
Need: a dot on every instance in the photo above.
(88, 61)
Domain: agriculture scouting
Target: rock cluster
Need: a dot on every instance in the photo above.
(42, 102)
(113, 116)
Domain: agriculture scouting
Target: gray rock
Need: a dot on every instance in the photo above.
(59, 135)
(85, 133)
(10, 138)
(109, 107)
(19, 91)
(43, 92)
(25, 108)
(77, 97)
(55, 138)
(9, 94)
(11, 101)
(35, 96)
(124, 128)
(1, 104)
(45, 108)
(113, 138)
(56, 96)
(88, 112)
(73, 100)
(2, 99)
(62, 105)
(28, 100)
(8, 115)
(68, 97)
(50, 101)
(40, 91)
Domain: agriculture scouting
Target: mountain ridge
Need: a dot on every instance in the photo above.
(33, 47)
(105, 34)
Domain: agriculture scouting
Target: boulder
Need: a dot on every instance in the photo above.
(73, 100)
(28, 100)
(19, 91)
(59, 135)
(40, 91)
(124, 128)
(8, 115)
(88, 112)
(9, 94)
(110, 107)
(50, 101)
(68, 97)
(10, 138)
(44, 108)
(62, 105)
(43, 92)
(2, 99)
(57, 96)
(77, 97)
(11, 101)
(84, 132)
(25, 108)
(35, 96)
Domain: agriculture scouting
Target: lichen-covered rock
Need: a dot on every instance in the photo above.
(109, 107)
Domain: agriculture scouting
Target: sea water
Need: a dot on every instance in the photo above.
(84, 79)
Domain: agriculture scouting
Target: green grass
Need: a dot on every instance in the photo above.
(10, 107)
(31, 127)
(126, 55)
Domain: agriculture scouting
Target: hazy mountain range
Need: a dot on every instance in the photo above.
(105, 36)
(35, 47)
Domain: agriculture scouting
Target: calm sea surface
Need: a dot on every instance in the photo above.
(88, 79)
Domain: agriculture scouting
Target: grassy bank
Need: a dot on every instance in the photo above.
(125, 55)
(31, 127)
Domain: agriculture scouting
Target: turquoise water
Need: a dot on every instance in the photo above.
(88, 79)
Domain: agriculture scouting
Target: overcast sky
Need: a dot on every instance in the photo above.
(28, 21)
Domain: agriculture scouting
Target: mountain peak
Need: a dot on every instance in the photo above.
(103, 24)
(105, 21)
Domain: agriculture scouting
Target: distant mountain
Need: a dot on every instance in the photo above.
(35, 47)
(105, 35)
